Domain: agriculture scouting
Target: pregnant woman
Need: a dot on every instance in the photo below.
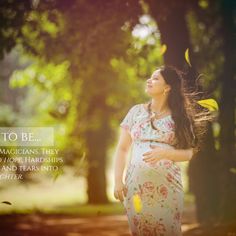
(162, 133)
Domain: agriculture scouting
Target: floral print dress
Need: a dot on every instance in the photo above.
(156, 188)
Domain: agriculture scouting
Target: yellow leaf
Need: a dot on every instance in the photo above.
(187, 57)
(210, 104)
(203, 4)
(233, 170)
(137, 203)
(163, 49)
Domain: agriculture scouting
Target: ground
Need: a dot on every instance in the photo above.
(39, 224)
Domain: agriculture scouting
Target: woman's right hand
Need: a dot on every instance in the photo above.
(120, 190)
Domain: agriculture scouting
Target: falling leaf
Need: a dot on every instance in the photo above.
(203, 4)
(233, 170)
(187, 57)
(163, 48)
(210, 104)
(6, 202)
(137, 203)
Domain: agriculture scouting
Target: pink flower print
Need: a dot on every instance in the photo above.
(177, 171)
(171, 137)
(134, 234)
(148, 187)
(135, 221)
(170, 125)
(170, 177)
(167, 164)
(137, 133)
(146, 230)
(141, 125)
(177, 216)
(125, 126)
(159, 228)
(163, 191)
(168, 137)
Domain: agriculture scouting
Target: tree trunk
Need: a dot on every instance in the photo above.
(174, 33)
(203, 180)
(227, 114)
(97, 145)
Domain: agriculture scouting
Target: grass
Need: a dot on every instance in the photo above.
(67, 195)
(83, 210)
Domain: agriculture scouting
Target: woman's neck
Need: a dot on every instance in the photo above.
(159, 105)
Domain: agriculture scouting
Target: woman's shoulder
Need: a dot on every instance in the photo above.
(137, 107)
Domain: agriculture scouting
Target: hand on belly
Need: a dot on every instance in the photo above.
(154, 155)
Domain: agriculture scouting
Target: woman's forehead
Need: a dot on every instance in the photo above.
(156, 73)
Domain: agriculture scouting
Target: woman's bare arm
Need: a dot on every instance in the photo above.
(121, 152)
(178, 155)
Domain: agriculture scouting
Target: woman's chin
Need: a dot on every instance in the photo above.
(147, 91)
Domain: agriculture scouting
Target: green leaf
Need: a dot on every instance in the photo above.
(210, 104)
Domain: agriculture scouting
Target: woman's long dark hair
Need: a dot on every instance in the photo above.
(191, 119)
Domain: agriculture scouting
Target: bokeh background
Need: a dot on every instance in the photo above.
(78, 66)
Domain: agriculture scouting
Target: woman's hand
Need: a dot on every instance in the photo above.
(154, 155)
(120, 190)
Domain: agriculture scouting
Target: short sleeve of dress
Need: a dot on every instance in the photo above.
(128, 120)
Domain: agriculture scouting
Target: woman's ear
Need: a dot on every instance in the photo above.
(167, 89)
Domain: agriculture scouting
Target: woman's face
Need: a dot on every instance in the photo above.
(156, 84)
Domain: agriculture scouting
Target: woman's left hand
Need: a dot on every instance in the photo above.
(155, 155)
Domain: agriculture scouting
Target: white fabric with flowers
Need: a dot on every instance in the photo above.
(156, 188)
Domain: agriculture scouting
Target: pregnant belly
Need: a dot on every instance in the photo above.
(142, 147)
(164, 169)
